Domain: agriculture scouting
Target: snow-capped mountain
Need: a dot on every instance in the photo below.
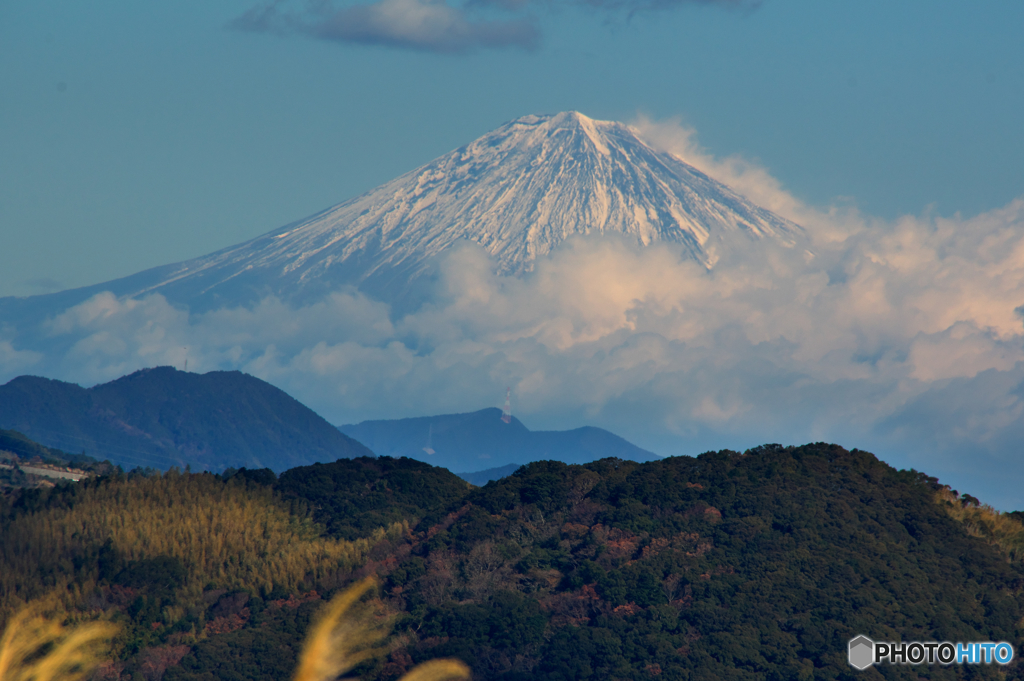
(518, 192)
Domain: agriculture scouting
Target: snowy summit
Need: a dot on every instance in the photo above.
(518, 192)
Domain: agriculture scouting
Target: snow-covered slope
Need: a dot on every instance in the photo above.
(518, 191)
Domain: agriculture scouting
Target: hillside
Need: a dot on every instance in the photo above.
(25, 463)
(353, 497)
(172, 559)
(15, 444)
(760, 565)
(480, 440)
(163, 417)
(728, 566)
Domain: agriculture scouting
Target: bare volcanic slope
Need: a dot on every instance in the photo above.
(518, 192)
(481, 440)
(163, 417)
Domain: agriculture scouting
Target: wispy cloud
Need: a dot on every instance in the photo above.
(434, 25)
(426, 25)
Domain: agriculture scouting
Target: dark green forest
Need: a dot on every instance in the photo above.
(753, 565)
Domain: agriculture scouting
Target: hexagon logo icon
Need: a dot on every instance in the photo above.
(862, 652)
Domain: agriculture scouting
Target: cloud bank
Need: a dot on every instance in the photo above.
(903, 338)
(434, 25)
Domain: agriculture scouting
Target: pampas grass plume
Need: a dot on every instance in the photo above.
(437, 670)
(39, 648)
(350, 632)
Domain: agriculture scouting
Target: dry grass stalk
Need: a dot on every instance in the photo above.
(352, 631)
(437, 670)
(36, 647)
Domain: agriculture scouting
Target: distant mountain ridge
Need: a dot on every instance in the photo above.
(481, 478)
(480, 440)
(162, 417)
(519, 192)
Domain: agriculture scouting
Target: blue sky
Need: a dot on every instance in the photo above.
(136, 134)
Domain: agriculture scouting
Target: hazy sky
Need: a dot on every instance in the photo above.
(137, 134)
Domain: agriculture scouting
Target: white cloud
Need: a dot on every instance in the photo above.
(902, 338)
(13, 361)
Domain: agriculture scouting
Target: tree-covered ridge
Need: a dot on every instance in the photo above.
(727, 566)
(760, 565)
(1003, 530)
(352, 497)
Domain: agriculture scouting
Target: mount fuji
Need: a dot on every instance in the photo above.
(518, 192)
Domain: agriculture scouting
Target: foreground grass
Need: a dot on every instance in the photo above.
(351, 630)
(36, 646)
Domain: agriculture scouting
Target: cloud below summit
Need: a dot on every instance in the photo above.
(903, 338)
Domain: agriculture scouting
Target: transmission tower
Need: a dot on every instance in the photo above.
(506, 413)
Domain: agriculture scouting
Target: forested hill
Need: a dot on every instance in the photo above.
(760, 565)
(17, 445)
(20, 459)
(162, 417)
(352, 497)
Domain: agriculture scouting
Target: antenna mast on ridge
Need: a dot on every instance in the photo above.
(506, 413)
